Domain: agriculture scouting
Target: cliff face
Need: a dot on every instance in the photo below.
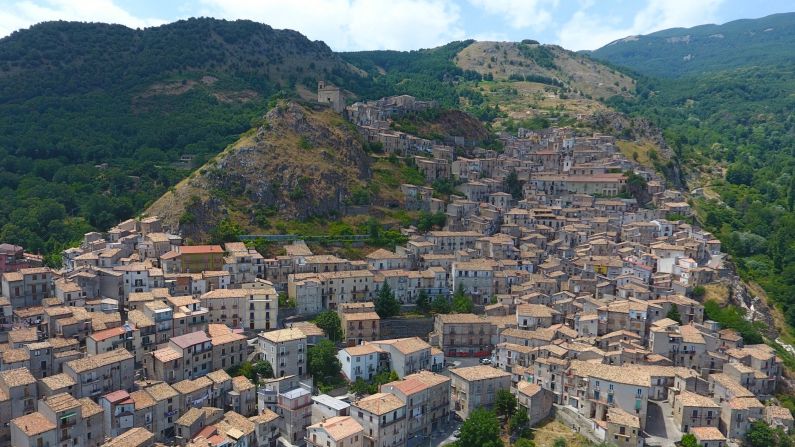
(301, 162)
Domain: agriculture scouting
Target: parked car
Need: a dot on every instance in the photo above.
(486, 361)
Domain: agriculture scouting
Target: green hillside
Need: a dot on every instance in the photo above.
(707, 48)
(94, 118)
(735, 130)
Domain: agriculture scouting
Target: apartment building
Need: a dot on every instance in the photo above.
(339, 431)
(464, 334)
(314, 292)
(362, 361)
(407, 355)
(476, 278)
(60, 420)
(193, 259)
(476, 387)
(383, 259)
(359, 323)
(285, 350)
(255, 306)
(19, 395)
(383, 418)
(426, 396)
(535, 399)
(592, 388)
(737, 415)
(26, 287)
(102, 373)
(694, 410)
(623, 429)
(536, 316)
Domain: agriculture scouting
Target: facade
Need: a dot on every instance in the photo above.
(102, 373)
(339, 431)
(426, 396)
(285, 350)
(476, 387)
(383, 419)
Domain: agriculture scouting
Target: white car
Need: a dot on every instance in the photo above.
(485, 361)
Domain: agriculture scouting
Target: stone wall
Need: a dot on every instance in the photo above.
(406, 327)
(584, 426)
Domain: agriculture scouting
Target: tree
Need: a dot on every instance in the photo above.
(524, 442)
(385, 303)
(689, 440)
(674, 314)
(263, 369)
(519, 420)
(423, 302)
(513, 186)
(461, 303)
(323, 363)
(760, 435)
(329, 321)
(481, 429)
(360, 386)
(285, 302)
(440, 305)
(560, 442)
(227, 230)
(699, 292)
(505, 403)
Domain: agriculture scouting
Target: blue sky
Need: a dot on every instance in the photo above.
(409, 24)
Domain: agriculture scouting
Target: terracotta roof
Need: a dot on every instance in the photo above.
(364, 349)
(690, 399)
(479, 372)
(380, 403)
(283, 335)
(188, 340)
(339, 427)
(707, 434)
(99, 360)
(621, 417)
(142, 399)
(200, 249)
(134, 437)
(90, 408)
(17, 377)
(33, 424)
(264, 417)
(58, 381)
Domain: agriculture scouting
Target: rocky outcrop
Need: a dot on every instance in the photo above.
(303, 161)
(640, 129)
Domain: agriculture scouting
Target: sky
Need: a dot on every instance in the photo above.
(352, 25)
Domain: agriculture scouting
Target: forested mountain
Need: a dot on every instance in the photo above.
(732, 122)
(706, 48)
(94, 118)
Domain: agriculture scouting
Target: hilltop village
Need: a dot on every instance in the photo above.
(580, 269)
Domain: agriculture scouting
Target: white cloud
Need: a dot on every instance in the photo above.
(520, 14)
(22, 14)
(353, 24)
(588, 31)
(491, 37)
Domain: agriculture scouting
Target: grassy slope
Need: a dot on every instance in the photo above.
(503, 59)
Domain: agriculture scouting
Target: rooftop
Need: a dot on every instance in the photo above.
(33, 424)
(339, 427)
(99, 360)
(379, 403)
(479, 372)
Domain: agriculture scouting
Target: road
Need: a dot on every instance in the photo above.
(660, 427)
